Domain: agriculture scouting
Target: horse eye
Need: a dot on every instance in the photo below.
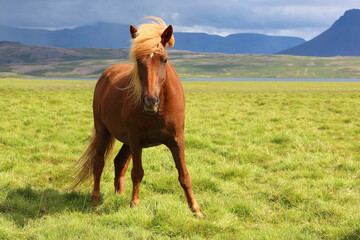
(139, 62)
(164, 60)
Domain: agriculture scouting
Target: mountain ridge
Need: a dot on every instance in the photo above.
(111, 35)
(252, 43)
(341, 39)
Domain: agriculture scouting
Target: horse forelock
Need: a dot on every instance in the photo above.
(146, 42)
(148, 39)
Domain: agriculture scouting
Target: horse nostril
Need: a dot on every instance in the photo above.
(157, 100)
(151, 101)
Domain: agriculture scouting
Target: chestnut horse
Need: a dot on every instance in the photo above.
(141, 104)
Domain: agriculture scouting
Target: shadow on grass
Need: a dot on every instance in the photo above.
(24, 204)
(355, 235)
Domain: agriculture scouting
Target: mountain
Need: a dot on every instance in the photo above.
(100, 35)
(341, 39)
(234, 43)
(109, 35)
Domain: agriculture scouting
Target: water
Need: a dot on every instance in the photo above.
(236, 79)
(273, 79)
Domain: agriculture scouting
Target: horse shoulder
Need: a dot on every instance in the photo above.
(175, 103)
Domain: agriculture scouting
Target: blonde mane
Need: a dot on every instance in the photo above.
(146, 42)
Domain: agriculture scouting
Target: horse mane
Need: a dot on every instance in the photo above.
(147, 41)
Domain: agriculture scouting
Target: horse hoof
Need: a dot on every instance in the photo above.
(199, 215)
(117, 187)
(133, 204)
(121, 191)
(95, 200)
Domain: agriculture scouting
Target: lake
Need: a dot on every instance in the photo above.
(235, 79)
(273, 79)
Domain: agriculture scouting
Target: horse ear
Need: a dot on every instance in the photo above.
(133, 31)
(166, 35)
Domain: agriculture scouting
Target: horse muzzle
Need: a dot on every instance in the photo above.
(151, 104)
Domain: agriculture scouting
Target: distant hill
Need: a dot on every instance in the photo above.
(15, 52)
(19, 60)
(108, 35)
(341, 39)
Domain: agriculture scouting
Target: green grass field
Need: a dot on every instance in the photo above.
(268, 160)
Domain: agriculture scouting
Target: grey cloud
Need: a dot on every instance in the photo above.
(275, 15)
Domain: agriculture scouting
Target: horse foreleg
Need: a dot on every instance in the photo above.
(137, 174)
(177, 150)
(121, 163)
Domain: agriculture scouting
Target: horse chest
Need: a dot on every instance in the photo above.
(155, 129)
(157, 125)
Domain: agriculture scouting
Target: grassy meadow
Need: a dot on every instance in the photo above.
(268, 160)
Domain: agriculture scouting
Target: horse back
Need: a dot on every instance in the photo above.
(115, 75)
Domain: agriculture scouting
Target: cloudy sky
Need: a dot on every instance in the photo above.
(301, 18)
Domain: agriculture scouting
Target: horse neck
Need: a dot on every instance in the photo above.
(172, 84)
(171, 75)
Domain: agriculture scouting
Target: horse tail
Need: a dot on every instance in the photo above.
(84, 167)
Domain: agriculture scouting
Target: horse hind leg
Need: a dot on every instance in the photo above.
(137, 172)
(103, 144)
(121, 163)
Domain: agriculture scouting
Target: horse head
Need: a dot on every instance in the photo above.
(151, 65)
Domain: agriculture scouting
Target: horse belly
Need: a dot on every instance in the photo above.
(113, 121)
